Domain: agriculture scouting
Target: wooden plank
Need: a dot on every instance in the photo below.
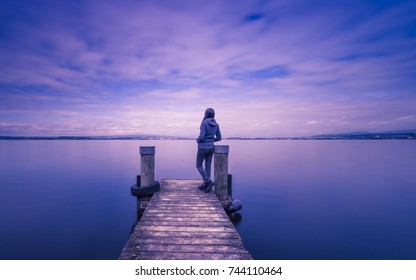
(195, 224)
(183, 228)
(132, 255)
(186, 241)
(183, 215)
(182, 222)
(206, 219)
(197, 248)
(183, 234)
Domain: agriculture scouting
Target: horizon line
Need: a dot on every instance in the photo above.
(162, 137)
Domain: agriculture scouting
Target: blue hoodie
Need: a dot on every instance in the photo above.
(209, 133)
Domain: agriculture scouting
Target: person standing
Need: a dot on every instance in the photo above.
(209, 133)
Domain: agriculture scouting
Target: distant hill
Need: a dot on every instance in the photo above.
(401, 134)
(118, 137)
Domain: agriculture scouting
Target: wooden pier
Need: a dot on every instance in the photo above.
(182, 222)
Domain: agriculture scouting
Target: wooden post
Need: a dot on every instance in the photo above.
(147, 165)
(221, 173)
(230, 185)
(147, 175)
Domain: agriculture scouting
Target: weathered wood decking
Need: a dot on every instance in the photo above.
(184, 223)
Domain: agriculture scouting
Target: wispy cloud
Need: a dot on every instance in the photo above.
(268, 68)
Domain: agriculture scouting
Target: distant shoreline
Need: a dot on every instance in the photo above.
(363, 136)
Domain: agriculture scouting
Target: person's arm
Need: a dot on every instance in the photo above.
(217, 135)
(201, 136)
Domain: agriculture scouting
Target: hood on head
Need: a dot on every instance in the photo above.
(211, 122)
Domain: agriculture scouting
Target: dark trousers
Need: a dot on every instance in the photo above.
(204, 155)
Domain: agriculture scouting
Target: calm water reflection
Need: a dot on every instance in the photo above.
(301, 199)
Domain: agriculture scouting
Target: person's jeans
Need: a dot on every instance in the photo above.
(204, 154)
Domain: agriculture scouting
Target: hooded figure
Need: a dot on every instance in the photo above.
(209, 133)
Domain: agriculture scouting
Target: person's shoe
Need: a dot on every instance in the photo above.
(202, 187)
(209, 186)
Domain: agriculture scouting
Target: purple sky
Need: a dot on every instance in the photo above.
(268, 68)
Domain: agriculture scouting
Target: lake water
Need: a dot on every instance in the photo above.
(301, 199)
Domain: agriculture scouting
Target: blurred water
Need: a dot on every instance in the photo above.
(301, 199)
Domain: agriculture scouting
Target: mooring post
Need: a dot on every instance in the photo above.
(147, 174)
(221, 173)
(147, 165)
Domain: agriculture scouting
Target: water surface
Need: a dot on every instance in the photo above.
(301, 199)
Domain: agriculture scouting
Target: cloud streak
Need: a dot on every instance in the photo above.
(271, 68)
